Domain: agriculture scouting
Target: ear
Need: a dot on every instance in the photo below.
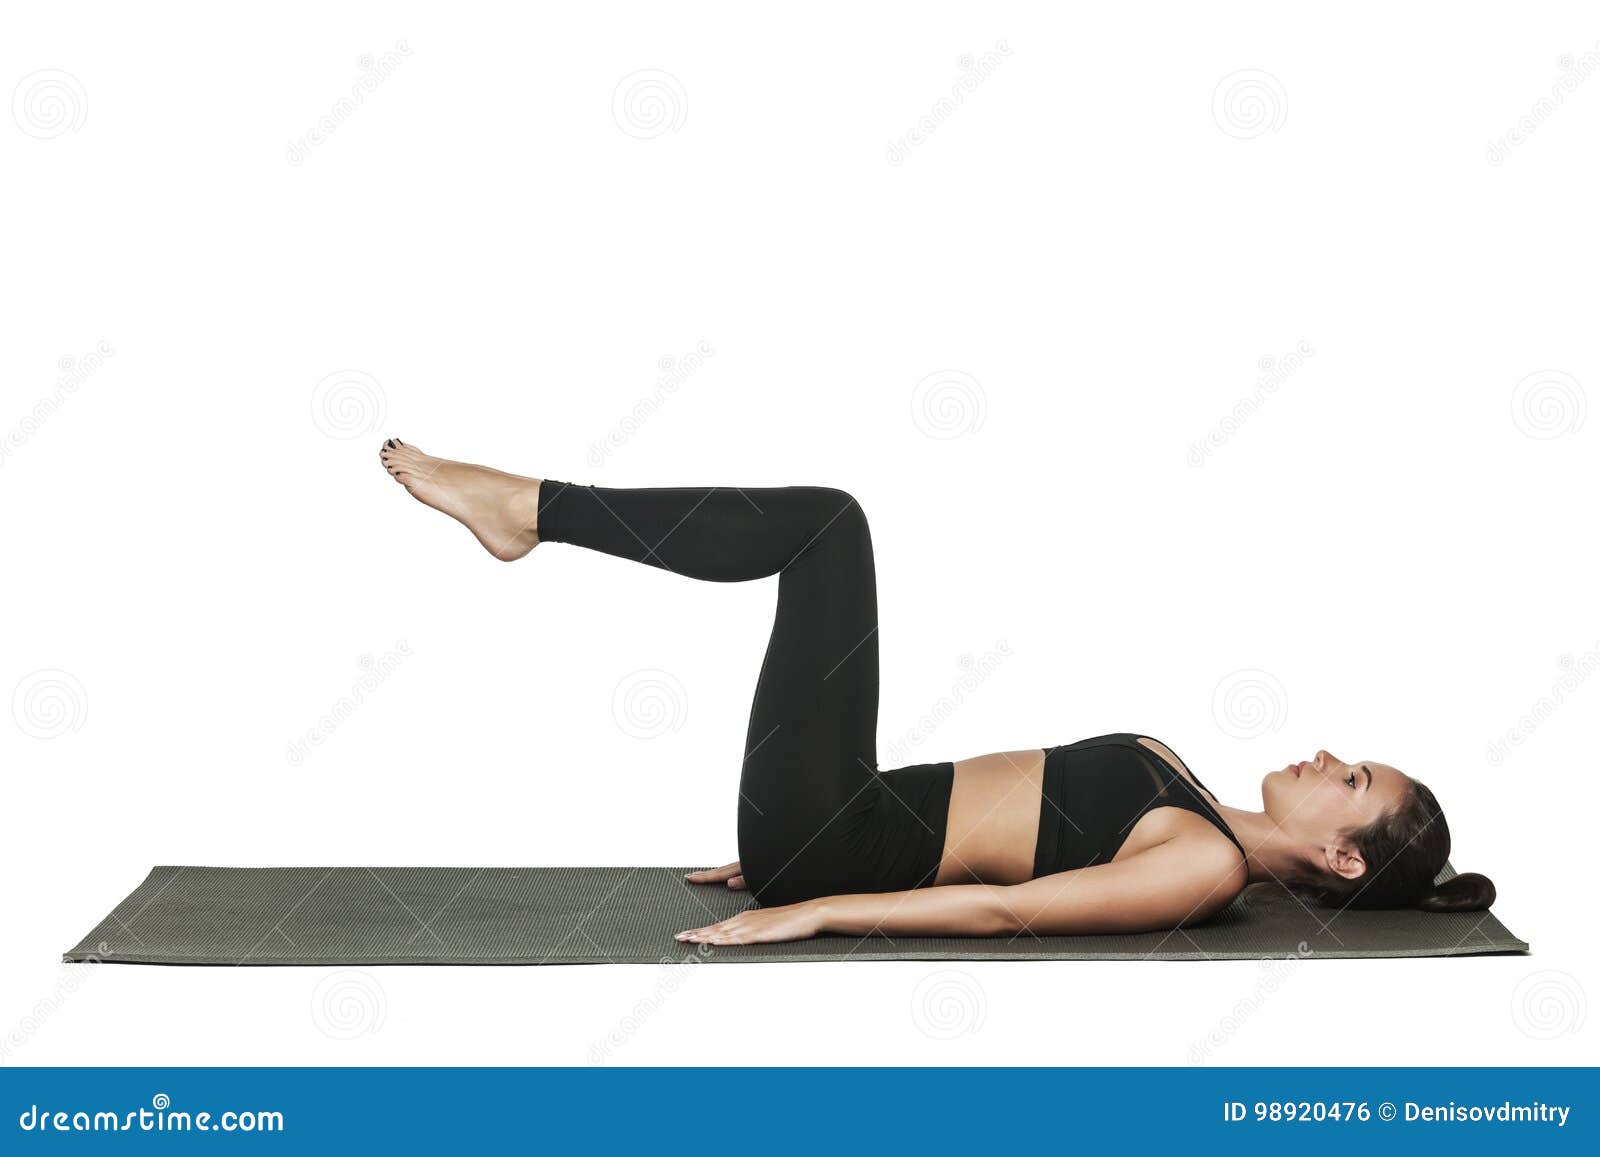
(1344, 860)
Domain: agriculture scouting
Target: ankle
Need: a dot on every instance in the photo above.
(524, 506)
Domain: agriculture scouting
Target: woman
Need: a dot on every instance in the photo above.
(1110, 834)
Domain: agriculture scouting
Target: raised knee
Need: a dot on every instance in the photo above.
(840, 508)
(827, 499)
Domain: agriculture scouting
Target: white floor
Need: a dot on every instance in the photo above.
(1477, 1011)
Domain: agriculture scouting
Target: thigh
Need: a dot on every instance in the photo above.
(807, 786)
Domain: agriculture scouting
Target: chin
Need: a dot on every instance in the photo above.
(1271, 784)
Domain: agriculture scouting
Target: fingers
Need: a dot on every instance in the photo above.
(745, 928)
(720, 928)
(728, 872)
(725, 932)
(737, 884)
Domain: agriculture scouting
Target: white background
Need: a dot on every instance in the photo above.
(1094, 253)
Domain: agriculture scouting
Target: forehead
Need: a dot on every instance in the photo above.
(1384, 777)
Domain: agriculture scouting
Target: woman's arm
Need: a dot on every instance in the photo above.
(1177, 882)
(1174, 883)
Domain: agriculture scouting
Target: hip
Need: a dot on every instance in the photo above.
(891, 838)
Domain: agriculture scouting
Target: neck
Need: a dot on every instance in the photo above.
(1271, 854)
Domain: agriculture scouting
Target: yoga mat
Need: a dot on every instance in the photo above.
(192, 915)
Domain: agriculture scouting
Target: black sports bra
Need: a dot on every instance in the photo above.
(1095, 790)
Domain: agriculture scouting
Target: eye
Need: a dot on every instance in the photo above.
(1350, 780)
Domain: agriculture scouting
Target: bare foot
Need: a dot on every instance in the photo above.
(501, 509)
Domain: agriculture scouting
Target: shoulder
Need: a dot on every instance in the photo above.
(1210, 871)
(1218, 865)
(1169, 757)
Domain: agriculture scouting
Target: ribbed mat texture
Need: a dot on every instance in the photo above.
(194, 915)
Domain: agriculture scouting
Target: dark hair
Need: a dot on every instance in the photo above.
(1405, 849)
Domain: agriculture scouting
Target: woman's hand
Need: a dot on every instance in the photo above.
(731, 874)
(760, 926)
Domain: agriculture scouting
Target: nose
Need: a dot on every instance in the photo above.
(1321, 760)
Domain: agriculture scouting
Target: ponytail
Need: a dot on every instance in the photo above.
(1468, 892)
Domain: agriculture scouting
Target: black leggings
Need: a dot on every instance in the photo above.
(816, 817)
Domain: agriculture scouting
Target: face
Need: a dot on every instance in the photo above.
(1315, 801)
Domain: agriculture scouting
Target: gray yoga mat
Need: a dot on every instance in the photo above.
(191, 915)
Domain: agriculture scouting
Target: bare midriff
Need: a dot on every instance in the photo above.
(992, 831)
(993, 826)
